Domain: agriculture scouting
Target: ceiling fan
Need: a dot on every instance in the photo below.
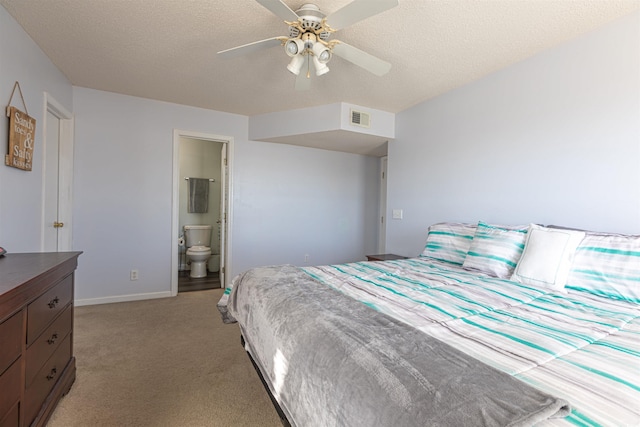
(308, 43)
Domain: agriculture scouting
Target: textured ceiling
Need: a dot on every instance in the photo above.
(166, 49)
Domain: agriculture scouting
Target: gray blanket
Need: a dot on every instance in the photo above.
(332, 361)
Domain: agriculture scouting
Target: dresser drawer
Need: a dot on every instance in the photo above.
(10, 339)
(45, 379)
(9, 388)
(12, 419)
(47, 306)
(40, 351)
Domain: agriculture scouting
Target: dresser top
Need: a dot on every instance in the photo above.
(25, 275)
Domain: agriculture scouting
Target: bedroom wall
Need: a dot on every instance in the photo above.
(287, 201)
(21, 191)
(553, 139)
(123, 184)
(294, 201)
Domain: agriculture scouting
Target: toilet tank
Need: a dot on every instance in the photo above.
(197, 235)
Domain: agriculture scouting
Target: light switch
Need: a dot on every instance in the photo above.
(397, 214)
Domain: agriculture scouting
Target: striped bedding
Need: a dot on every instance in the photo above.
(575, 345)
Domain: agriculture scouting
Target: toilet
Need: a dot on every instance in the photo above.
(198, 241)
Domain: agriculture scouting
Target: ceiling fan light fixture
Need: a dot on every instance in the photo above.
(309, 32)
(293, 47)
(321, 67)
(322, 53)
(296, 64)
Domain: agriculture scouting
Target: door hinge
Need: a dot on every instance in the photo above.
(225, 161)
(381, 220)
(222, 270)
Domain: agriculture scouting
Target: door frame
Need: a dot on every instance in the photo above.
(175, 203)
(65, 172)
(382, 208)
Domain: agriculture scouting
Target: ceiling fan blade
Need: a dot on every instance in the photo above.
(302, 81)
(362, 59)
(251, 47)
(358, 10)
(278, 8)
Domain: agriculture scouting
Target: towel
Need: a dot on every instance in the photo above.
(198, 195)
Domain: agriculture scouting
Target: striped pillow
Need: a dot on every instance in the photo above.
(449, 242)
(496, 249)
(607, 265)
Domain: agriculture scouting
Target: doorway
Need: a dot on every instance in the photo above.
(57, 177)
(219, 218)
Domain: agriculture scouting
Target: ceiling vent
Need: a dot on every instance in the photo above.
(360, 118)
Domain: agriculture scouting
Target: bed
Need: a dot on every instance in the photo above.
(489, 325)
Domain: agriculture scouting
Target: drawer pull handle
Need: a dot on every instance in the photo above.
(52, 374)
(53, 338)
(53, 302)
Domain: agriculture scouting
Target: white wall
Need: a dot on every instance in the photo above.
(293, 201)
(123, 189)
(554, 139)
(322, 118)
(21, 191)
(123, 185)
(287, 201)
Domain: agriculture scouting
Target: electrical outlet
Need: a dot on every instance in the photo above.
(306, 257)
(133, 275)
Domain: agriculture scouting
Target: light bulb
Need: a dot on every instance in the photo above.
(324, 56)
(321, 52)
(293, 47)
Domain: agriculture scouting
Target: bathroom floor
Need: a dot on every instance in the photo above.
(186, 283)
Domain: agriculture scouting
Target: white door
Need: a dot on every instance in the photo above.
(57, 177)
(224, 196)
(51, 165)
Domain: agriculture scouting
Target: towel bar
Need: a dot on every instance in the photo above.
(210, 179)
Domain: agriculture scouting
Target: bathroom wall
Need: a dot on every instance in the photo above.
(199, 159)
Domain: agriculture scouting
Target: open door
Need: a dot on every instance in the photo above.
(224, 200)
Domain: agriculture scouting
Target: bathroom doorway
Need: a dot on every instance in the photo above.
(206, 159)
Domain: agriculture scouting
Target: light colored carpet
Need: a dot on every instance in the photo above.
(164, 362)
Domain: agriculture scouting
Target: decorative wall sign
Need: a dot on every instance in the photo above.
(22, 131)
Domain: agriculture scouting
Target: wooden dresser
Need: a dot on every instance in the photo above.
(37, 366)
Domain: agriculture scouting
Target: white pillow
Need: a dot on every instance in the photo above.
(547, 256)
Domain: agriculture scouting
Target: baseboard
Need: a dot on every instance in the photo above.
(121, 298)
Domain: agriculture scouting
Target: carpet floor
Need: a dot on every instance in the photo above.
(163, 362)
